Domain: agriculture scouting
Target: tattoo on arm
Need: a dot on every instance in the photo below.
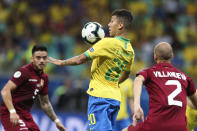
(47, 107)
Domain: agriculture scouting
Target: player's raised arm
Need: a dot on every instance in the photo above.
(193, 99)
(48, 109)
(137, 89)
(7, 99)
(76, 60)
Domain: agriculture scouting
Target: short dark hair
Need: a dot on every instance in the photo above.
(39, 48)
(124, 15)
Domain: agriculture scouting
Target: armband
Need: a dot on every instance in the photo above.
(12, 111)
(56, 120)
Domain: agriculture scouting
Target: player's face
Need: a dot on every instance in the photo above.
(113, 26)
(39, 59)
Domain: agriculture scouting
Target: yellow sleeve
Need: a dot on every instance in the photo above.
(128, 68)
(101, 48)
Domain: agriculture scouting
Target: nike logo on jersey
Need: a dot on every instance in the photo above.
(33, 80)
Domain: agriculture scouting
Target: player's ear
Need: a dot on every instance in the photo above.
(32, 58)
(155, 57)
(172, 55)
(121, 25)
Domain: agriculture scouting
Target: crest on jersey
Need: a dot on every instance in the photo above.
(41, 82)
(17, 74)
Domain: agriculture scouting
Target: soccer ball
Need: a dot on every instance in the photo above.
(92, 32)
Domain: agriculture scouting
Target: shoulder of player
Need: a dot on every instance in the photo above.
(108, 39)
(130, 49)
(145, 70)
(21, 72)
(187, 77)
(24, 69)
(115, 42)
(175, 70)
(111, 40)
(148, 68)
(105, 42)
(45, 76)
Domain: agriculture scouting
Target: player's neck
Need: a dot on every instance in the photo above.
(121, 34)
(37, 70)
(163, 61)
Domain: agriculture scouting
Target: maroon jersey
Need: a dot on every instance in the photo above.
(29, 84)
(167, 88)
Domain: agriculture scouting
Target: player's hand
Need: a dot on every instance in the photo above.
(125, 129)
(138, 114)
(60, 126)
(14, 119)
(54, 61)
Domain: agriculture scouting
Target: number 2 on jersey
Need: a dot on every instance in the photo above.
(177, 91)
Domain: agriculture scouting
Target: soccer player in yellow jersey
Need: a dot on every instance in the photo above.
(123, 119)
(191, 114)
(111, 61)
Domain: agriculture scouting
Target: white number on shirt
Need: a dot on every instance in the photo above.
(178, 90)
(35, 93)
(22, 125)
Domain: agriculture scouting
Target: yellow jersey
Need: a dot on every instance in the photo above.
(191, 118)
(126, 92)
(111, 56)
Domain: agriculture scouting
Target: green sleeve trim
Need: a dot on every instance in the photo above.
(123, 39)
(87, 55)
(126, 41)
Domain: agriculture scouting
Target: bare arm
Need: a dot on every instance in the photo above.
(7, 99)
(48, 109)
(137, 90)
(6, 94)
(193, 100)
(76, 60)
(124, 76)
(131, 104)
(189, 103)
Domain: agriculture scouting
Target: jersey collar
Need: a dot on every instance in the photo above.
(31, 66)
(164, 64)
(123, 39)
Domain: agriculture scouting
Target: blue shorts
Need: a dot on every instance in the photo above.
(121, 124)
(102, 113)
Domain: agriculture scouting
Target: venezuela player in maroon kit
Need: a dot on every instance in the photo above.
(18, 95)
(168, 89)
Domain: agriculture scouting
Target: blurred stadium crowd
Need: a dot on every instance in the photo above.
(58, 24)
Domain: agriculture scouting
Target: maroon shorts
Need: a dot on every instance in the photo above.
(26, 123)
(143, 126)
(138, 127)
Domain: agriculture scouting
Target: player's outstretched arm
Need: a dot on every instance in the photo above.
(48, 109)
(131, 103)
(193, 99)
(76, 60)
(137, 89)
(7, 99)
(125, 129)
